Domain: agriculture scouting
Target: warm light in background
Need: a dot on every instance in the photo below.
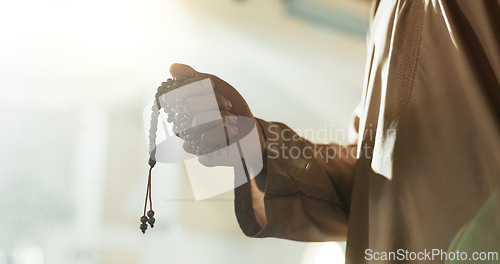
(75, 76)
(27, 254)
(79, 51)
(323, 253)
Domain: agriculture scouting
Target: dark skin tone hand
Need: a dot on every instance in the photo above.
(237, 119)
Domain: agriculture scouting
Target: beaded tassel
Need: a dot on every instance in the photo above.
(155, 112)
(176, 114)
(169, 85)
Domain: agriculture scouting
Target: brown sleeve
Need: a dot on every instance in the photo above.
(307, 188)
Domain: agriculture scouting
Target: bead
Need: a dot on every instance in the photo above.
(144, 226)
(151, 222)
(152, 163)
(178, 78)
(144, 219)
(219, 153)
(199, 150)
(187, 117)
(183, 126)
(151, 213)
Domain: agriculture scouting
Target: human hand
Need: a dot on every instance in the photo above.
(211, 115)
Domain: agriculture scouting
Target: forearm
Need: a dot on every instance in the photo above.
(307, 163)
(258, 205)
(311, 190)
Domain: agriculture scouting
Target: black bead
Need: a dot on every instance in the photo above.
(144, 226)
(151, 213)
(144, 219)
(151, 222)
(151, 162)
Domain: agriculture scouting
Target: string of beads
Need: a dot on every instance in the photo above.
(169, 85)
(176, 114)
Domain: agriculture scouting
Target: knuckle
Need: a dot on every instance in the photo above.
(197, 118)
(187, 148)
(206, 138)
(230, 119)
(233, 130)
(189, 106)
(221, 100)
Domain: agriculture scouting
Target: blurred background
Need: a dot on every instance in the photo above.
(75, 77)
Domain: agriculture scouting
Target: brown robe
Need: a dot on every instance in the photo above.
(428, 141)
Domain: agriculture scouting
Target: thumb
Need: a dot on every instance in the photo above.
(181, 69)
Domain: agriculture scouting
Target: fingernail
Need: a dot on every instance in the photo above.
(229, 105)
